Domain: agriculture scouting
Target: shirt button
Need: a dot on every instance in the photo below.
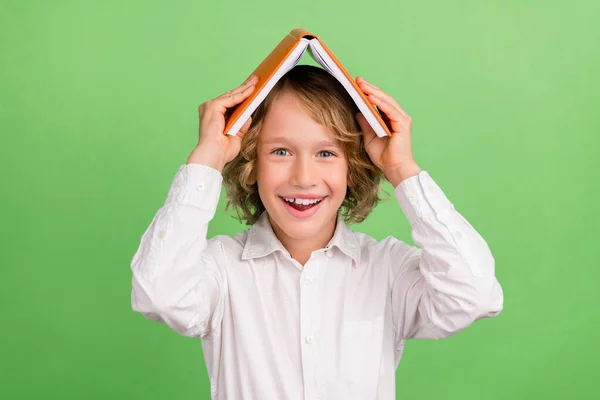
(328, 253)
(200, 187)
(307, 280)
(162, 234)
(280, 256)
(179, 182)
(309, 339)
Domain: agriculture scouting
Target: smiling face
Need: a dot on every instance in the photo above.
(304, 144)
(301, 172)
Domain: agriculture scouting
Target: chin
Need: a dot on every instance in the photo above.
(302, 231)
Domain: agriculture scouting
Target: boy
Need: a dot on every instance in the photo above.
(299, 306)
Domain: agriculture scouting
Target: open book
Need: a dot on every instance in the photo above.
(282, 59)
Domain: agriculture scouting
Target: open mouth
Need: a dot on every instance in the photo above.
(302, 204)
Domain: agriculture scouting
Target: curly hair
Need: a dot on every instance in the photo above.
(329, 104)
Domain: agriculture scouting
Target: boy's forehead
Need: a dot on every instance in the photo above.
(288, 121)
(289, 139)
(307, 137)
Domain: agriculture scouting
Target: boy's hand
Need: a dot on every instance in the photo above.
(214, 148)
(393, 155)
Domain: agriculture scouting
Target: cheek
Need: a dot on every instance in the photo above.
(338, 179)
(269, 176)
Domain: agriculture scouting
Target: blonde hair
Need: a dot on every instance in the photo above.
(328, 103)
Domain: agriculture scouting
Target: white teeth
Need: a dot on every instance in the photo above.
(303, 201)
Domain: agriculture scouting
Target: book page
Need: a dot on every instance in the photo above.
(290, 62)
(330, 66)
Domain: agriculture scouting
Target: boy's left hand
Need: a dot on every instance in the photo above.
(393, 155)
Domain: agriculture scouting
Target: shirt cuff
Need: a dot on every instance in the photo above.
(420, 196)
(196, 185)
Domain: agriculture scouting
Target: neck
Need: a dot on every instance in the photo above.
(301, 248)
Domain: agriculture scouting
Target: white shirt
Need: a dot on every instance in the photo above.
(334, 328)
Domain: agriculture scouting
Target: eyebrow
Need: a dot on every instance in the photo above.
(283, 139)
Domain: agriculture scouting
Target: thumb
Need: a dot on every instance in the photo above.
(233, 148)
(368, 132)
(245, 127)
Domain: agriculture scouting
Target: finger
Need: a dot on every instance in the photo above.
(245, 127)
(241, 88)
(361, 80)
(383, 95)
(252, 80)
(248, 79)
(392, 112)
(222, 103)
(367, 131)
(369, 88)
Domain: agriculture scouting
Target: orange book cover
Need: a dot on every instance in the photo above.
(273, 62)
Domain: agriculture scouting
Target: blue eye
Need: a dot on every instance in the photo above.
(326, 153)
(280, 152)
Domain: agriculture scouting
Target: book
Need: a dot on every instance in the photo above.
(283, 58)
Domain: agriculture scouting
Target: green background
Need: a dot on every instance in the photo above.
(98, 108)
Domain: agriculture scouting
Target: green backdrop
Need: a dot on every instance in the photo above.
(98, 108)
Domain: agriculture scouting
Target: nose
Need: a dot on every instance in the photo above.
(303, 174)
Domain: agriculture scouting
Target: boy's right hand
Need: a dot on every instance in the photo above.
(214, 148)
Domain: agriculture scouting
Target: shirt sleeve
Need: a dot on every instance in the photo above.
(177, 273)
(448, 281)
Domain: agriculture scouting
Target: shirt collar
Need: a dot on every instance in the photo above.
(262, 241)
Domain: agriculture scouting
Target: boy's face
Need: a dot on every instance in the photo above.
(301, 174)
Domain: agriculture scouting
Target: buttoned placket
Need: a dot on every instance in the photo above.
(310, 314)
